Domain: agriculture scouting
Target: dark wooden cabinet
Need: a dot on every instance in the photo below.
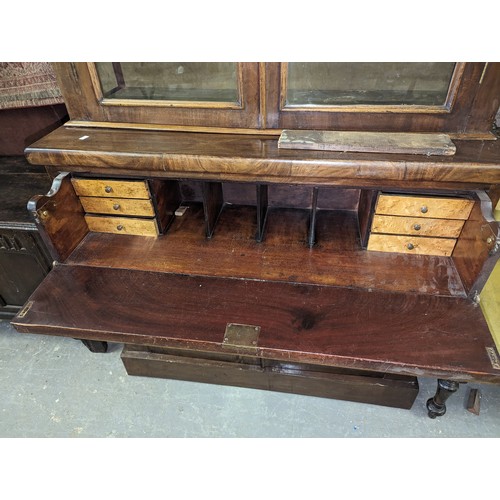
(216, 255)
(24, 259)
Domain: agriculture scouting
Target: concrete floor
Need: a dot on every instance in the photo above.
(55, 387)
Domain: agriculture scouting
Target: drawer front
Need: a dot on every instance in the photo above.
(111, 188)
(117, 206)
(122, 225)
(418, 226)
(418, 245)
(421, 206)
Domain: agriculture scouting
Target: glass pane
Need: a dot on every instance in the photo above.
(324, 84)
(189, 81)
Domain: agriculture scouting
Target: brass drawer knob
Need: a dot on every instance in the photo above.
(424, 209)
(116, 206)
(108, 189)
(119, 227)
(417, 227)
(410, 246)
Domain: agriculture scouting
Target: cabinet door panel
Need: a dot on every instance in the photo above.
(392, 97)
(224, 95)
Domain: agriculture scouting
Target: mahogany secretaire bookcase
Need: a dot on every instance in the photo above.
(214, 219)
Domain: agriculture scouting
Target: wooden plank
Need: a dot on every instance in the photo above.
(366, 208)
(213, 202)
(298, 378)
(419, 245)
(311, 236)
(474, 401)
(111, 188)
(117, 206)
(262, 208)
(424, 206)
(417, 335)
(419, 226)
(166, 198)
(368, 142)
(122, 225)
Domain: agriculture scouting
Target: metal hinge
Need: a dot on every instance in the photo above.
(22, 313)
(494, 360)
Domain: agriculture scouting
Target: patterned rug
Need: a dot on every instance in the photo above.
(28, 84)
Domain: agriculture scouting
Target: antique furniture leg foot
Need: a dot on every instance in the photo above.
(436, 406)
(96, 345)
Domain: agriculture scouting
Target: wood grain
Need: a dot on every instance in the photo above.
(117, 206)
(478, 248)
(258, 159)
(213, 201)
(366, 210)
(407, 334)
(419, 245)
(418, 226)
(111, 188)
(166, 198)
(19, 181)
(336, 259)
(122, 225)
(59, 217)
(368, 142)
(421, 206)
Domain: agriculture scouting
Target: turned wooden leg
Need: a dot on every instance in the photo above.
(436, 406)
(95, 345)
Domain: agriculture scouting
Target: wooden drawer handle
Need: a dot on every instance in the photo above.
(108, 189)
(116, 206)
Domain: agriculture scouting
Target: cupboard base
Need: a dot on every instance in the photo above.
(252, 372)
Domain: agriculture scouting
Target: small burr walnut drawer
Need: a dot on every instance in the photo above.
(419, 245)
(122, 225)
(117, 206)
(422, 206)
(418, 226)
(142, 207)
(421, 225)
(112, 188)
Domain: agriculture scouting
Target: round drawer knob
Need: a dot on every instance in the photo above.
(108, 189)
(119, 227)
(116, 206)
(410, 246)
(417, 227)
(424, 209)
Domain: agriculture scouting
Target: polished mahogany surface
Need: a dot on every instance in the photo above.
(380, 331)
(257, 158)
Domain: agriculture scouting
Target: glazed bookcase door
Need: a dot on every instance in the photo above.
(205, 94)
(419, 97)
